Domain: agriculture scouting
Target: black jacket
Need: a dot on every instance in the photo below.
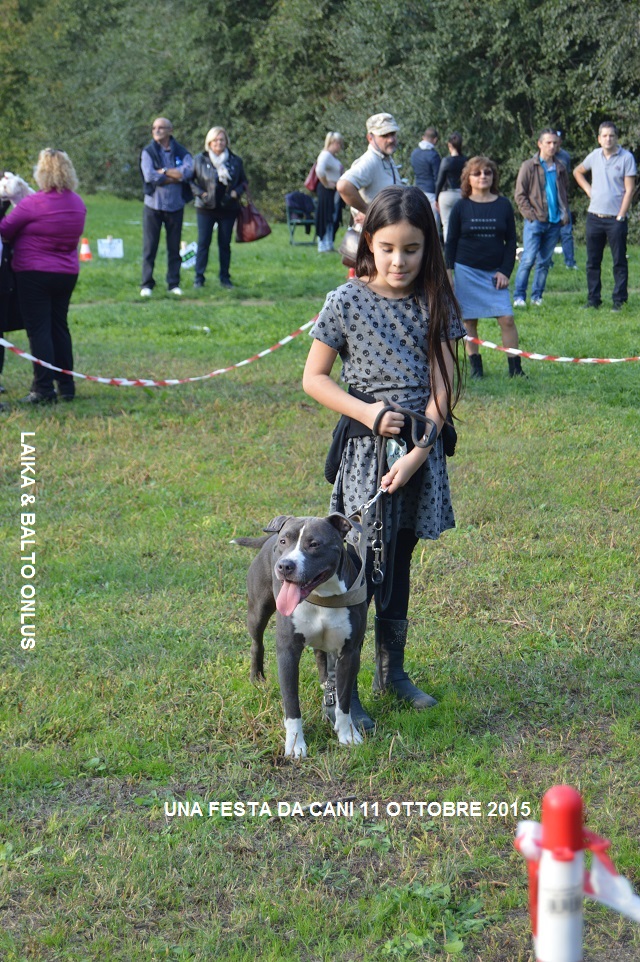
(209, 193)
(10, 316)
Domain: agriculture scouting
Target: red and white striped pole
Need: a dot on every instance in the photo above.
(560, 877)
(558, 883)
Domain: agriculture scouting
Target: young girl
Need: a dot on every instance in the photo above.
(395, 327)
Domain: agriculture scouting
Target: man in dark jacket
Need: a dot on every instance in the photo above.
(542, 198)
(166, 166)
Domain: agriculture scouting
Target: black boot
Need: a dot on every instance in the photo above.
(391, 638)
(361, 721)
(515, 367)
(475, 360)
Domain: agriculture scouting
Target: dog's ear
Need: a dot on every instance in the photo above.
(343, 525)
(277, 523)
(356, 522)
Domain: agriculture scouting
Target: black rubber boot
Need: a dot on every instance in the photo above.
(515, 367)
(391, 638)
(361, 721)
(475, 360)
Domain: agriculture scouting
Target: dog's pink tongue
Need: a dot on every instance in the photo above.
(289, 597)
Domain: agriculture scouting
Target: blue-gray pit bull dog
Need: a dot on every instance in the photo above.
(315, 584)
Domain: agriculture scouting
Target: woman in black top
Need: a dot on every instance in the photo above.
(218, 181)
(481, 250)
(448, 182)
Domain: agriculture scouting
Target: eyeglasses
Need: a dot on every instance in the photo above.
(478, 173)
(162, 127)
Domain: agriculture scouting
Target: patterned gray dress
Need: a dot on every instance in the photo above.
(382, 344)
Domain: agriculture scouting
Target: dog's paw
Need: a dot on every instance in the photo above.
(346, 731)
(295, 745)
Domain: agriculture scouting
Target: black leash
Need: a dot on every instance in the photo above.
(383, 548)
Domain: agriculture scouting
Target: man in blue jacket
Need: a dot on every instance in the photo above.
(166, 166)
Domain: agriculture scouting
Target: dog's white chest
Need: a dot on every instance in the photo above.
(324, 628)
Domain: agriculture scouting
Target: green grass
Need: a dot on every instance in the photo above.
(524, 624)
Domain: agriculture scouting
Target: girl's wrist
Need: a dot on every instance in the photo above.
(419, 455)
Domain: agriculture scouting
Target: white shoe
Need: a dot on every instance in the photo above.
(519, 302)
(176, 291)
(536, 301)
(145, 292)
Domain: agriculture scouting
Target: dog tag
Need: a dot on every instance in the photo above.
(395, 450)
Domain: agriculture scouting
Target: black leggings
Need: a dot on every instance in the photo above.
(398, 605)
(44, 302)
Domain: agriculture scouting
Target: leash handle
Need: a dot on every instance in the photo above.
(417, 421)
(424, 441)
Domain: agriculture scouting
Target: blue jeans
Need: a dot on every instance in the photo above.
(540, 237)
(207, 219)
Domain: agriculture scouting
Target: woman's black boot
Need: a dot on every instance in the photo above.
(361, 721)
(475, 360)
(391, 639)
(515, 367)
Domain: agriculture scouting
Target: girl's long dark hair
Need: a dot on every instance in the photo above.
(390, 206)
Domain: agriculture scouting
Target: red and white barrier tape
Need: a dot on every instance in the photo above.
(172, 382)
(550, 357)
(147, 382)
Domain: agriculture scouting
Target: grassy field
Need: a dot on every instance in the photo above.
(524, 623)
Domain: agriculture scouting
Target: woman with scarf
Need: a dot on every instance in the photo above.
(218, 181)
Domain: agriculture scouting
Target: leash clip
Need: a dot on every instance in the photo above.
(377, 546)
(329, 696)
(372, 501)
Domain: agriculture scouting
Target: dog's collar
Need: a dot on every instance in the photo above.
(356, 594)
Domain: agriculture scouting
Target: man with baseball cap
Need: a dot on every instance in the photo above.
(375, 169)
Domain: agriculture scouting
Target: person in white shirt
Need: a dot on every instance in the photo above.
(328, 170)
(613, 180)
(375, 169)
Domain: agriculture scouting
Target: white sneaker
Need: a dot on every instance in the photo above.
(536, 301)
(145, 292)
(176, 291)
(519, 302)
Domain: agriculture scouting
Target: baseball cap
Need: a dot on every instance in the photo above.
(381, 124)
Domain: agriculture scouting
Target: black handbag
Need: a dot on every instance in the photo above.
(345, 428)
(334, 454)
(449, 437)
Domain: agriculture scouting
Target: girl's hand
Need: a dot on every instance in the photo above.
(403, 470)
(389, 425)
(502, 281)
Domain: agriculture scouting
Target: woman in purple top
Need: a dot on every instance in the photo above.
(44, 230)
